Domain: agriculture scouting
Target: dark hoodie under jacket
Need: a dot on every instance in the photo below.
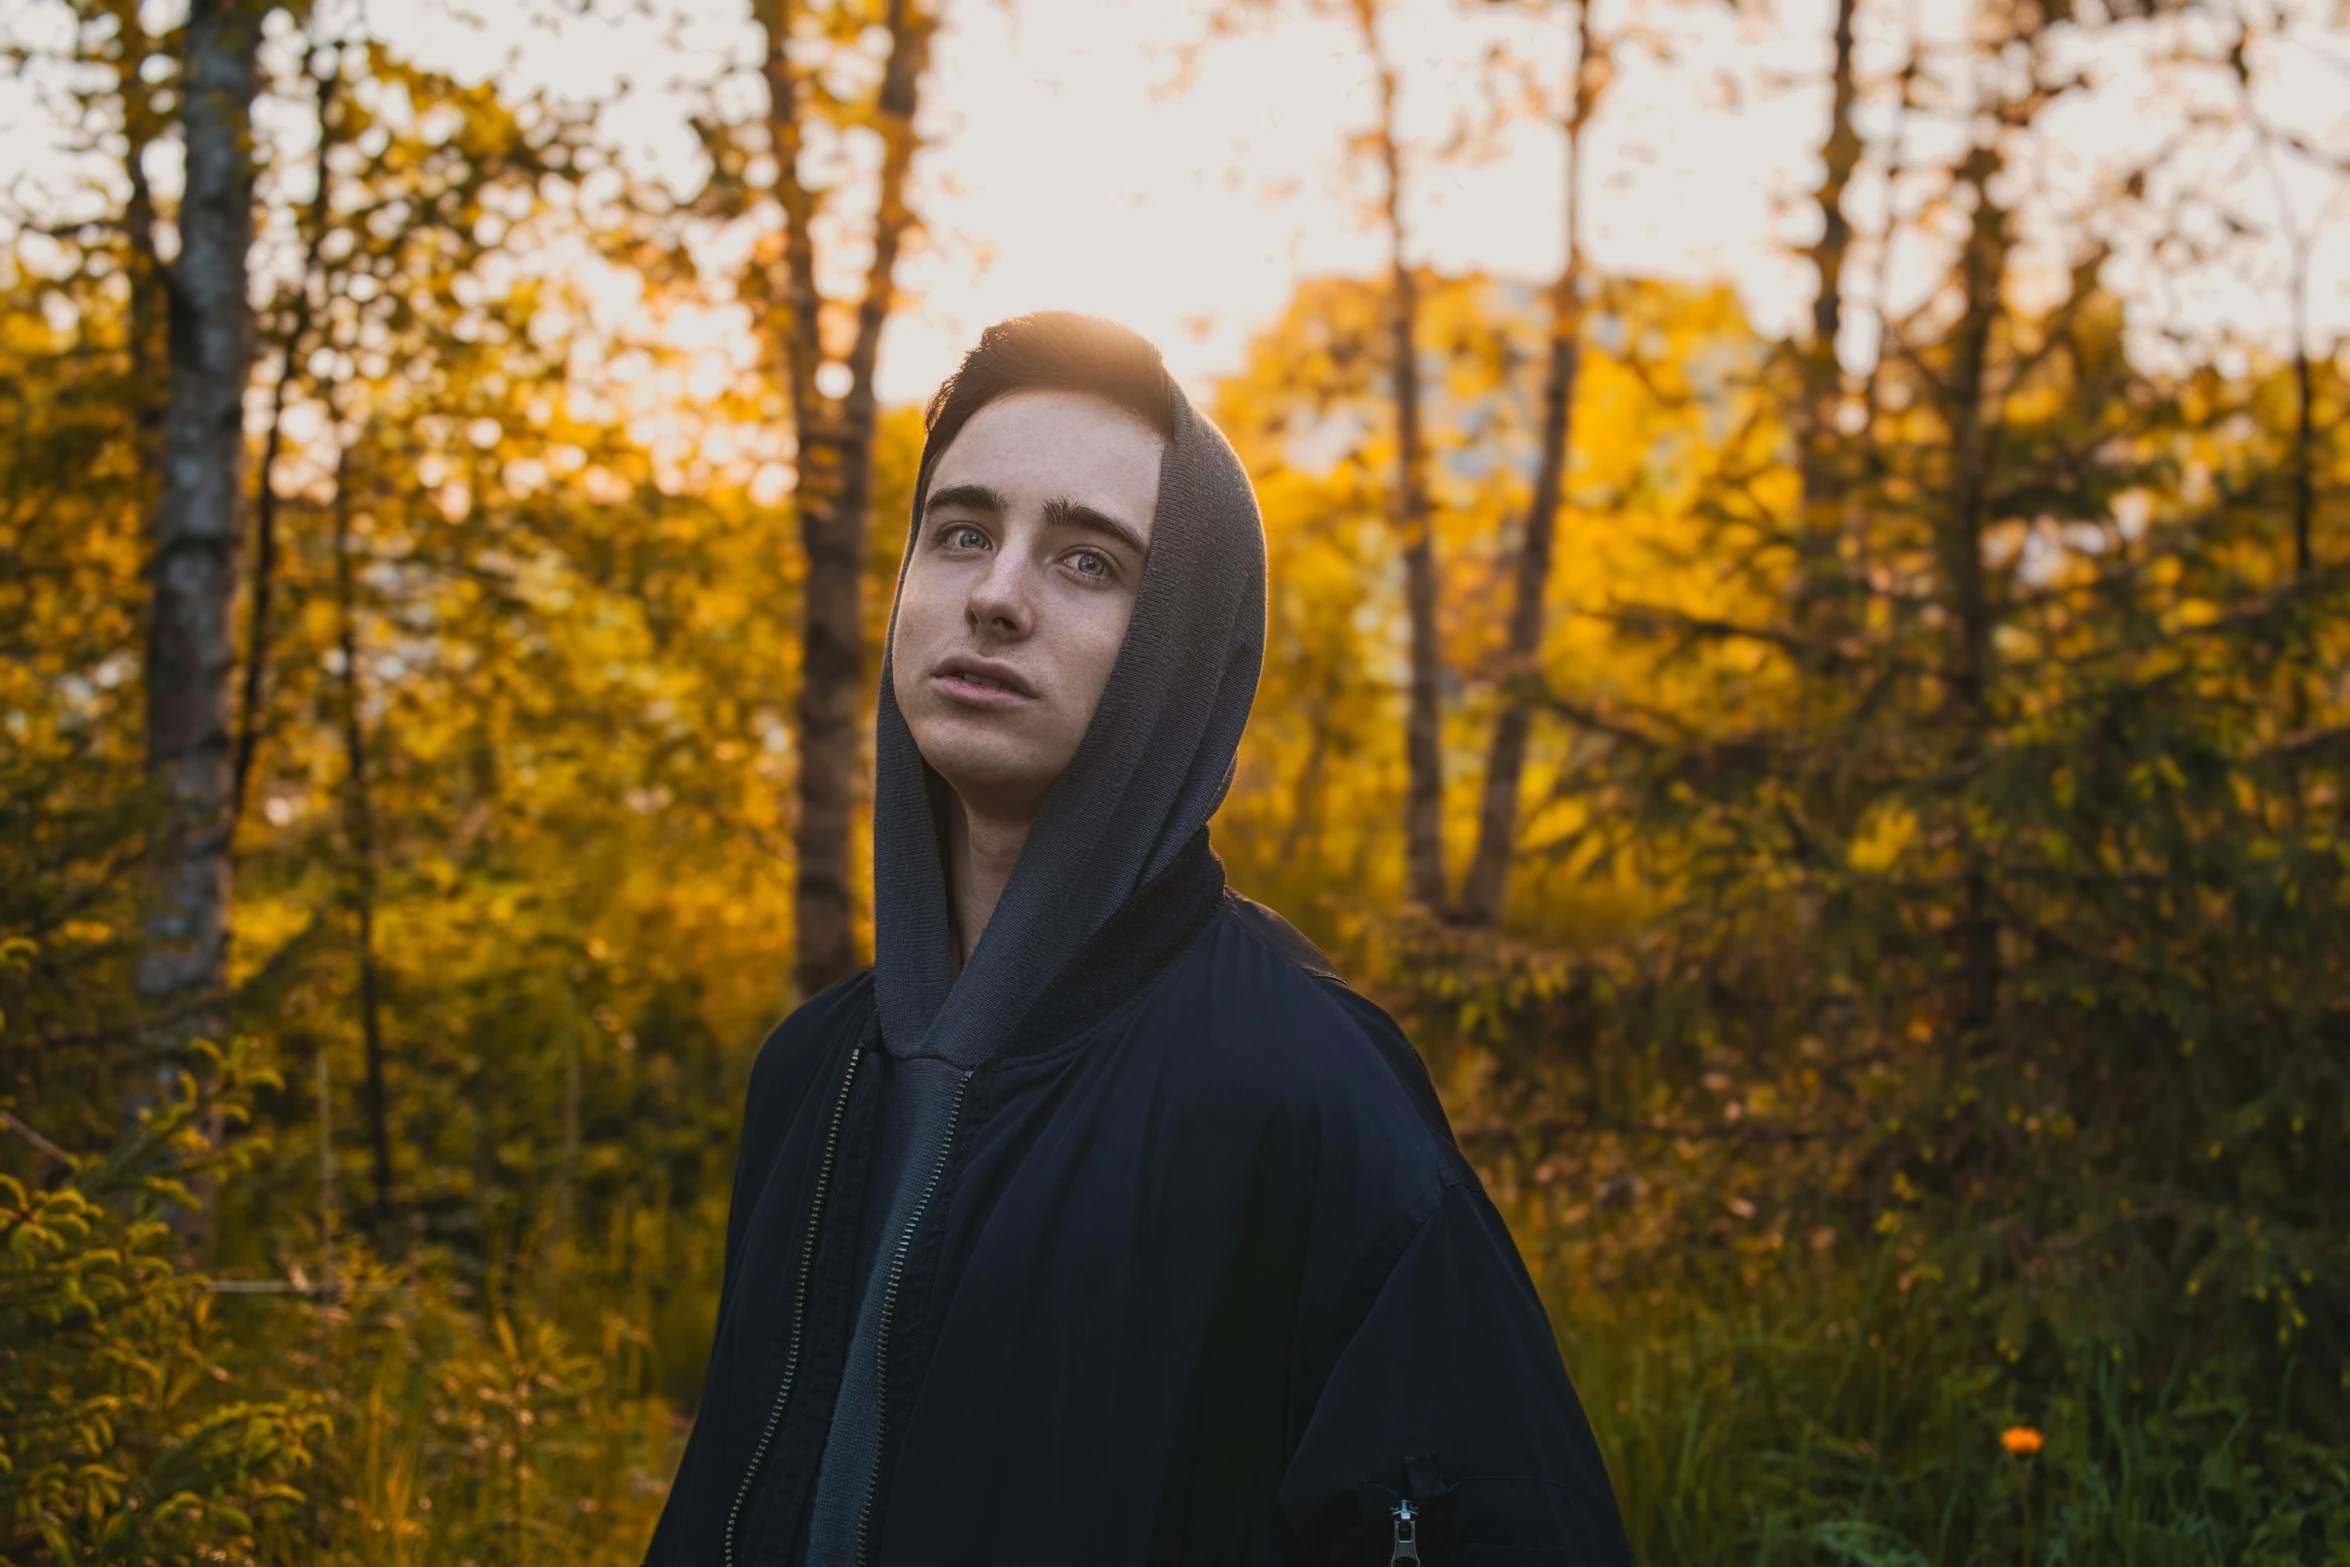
(1141, 1239)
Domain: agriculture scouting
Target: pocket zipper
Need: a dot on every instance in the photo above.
(1407, 1535)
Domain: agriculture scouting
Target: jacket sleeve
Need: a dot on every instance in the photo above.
(1451, 1395)
(789, 1064)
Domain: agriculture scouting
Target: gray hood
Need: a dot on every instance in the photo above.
(1149, 772)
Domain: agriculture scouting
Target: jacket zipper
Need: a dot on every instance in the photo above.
(1407, 1535)
(799, 1313)
(889, 1305)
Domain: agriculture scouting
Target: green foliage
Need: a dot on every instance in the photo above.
(1919, 1022)
(556, 631)
(461, 1436)
(120, 1440)
(1972, 1053)
(1835, 1423)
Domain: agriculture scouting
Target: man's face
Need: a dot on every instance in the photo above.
(1016, 596)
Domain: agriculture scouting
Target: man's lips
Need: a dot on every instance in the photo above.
(982, 682)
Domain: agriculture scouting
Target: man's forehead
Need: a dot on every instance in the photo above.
(1037, 425)
(1035, 449)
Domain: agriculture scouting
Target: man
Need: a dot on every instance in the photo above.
(1100, 1223)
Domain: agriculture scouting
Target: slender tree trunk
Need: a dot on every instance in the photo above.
(323, 1318)
(198, 525)
(1305, 817)
(359, 823)
(1821, 464)
(835, 487)
(2304, 438)
(835, 527)
(567, 1167)
(791, 323)
(326, 1189)
(2304, 500)
(1424, 719)
(252, 708)
(820, 889)
(252, 693)
(1305, 812)
(2301, 474)
(1485, 892)
(1982, 272)
(1840, 156)
(150, 294)
(1424, 723)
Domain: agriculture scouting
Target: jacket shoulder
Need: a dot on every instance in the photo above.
(1309, 1038)
(797, 1053)
(1277, 935)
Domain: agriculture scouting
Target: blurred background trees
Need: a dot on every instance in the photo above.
(1854, 820)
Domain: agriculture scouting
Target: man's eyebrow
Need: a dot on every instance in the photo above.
(1074, 514)
(971, 497)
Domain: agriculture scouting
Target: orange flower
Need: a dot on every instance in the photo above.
(2022, 1441)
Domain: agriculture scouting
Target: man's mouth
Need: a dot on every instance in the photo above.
(982, 682)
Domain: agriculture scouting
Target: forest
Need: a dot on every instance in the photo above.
(1852, 812)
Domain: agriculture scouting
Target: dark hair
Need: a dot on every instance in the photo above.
(1058, 350)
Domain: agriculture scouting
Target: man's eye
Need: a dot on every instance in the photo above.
(966, 537)
(1089, 563)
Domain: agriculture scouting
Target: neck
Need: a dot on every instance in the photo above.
(981, 851)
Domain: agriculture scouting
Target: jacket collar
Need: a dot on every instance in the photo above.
(1130, 950)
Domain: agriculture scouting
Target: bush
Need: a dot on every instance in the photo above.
(120, 1438)
(464, 1436)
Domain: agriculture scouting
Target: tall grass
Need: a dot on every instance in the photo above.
(1849, 1422)
(465, 1438)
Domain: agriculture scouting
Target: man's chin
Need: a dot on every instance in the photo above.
(993, 774)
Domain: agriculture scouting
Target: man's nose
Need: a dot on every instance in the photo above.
(1002, 601)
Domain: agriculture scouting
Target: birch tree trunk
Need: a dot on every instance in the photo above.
(198, 525)
(1485, 892)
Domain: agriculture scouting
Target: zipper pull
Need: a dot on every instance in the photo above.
(1407, 1535)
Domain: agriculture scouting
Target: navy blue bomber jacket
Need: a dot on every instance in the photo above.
(1202, 1278)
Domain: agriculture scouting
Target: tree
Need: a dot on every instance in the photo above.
(1320, 784)
(836, 429)
(1424, 709)
(1412, 516)
(1989, 868)
(1821, 374)
(199, 519)
(523, 721)
(1485, 892)
(293, 341)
